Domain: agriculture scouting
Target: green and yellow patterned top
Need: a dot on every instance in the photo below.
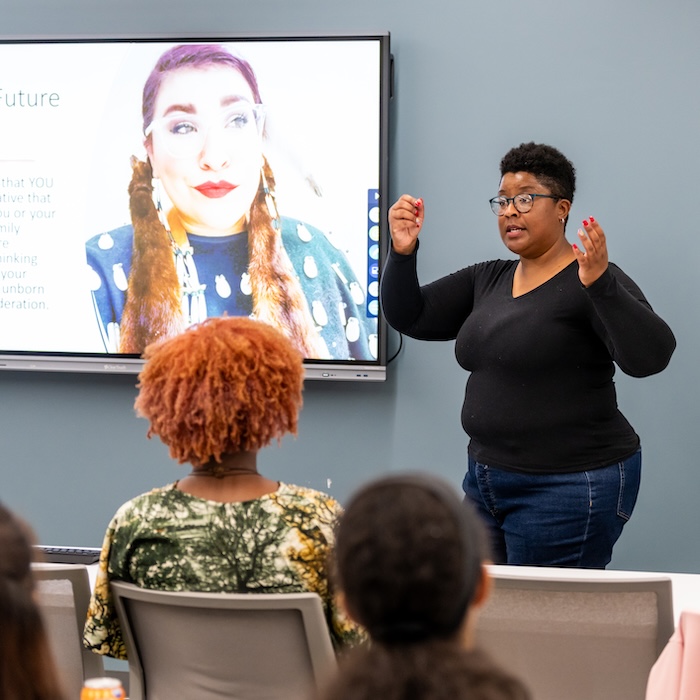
(173, 541)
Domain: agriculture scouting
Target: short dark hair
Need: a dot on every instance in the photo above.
(546, 163)
(408, 557)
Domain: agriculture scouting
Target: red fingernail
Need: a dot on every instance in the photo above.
(591, 218)
(585, 222)
(419, 202)
(574, 246)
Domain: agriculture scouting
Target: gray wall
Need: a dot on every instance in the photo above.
(615, 85)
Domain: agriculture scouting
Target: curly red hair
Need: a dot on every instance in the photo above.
(226, 385)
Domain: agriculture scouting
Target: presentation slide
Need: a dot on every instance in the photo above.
(72, 122)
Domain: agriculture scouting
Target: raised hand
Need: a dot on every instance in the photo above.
(405, 223)
(593, 258)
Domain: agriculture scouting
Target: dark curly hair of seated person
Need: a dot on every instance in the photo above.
(409, 562)
(549, 165)
(226, 385)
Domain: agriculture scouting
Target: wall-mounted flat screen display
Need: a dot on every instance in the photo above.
(149, 183)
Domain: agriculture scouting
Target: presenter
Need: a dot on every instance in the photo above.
(210, 239)
(553, 465)
(215, 395)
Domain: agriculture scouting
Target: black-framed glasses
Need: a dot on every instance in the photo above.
(522, 202)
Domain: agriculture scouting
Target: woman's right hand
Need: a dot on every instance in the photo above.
(405, 223)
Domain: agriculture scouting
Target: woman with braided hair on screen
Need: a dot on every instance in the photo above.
(206, 237)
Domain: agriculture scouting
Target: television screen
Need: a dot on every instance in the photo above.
(147, 184)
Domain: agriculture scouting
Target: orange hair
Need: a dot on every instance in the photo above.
(226, 385)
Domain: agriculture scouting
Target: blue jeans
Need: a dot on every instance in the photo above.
(554, 519)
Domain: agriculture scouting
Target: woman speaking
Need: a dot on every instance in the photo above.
(553, 465)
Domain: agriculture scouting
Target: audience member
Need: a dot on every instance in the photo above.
(215, 395)
(27, 670)
(410, 567)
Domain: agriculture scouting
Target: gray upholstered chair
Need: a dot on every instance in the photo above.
(577, 637)
(223, 645)
(63, 597)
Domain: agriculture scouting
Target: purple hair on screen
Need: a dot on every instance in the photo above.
(192, 56)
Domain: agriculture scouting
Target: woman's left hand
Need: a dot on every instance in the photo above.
(593, 258)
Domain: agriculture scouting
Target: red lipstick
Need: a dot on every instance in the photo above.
(215, 190)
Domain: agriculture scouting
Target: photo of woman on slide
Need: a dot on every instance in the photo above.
(206, 237)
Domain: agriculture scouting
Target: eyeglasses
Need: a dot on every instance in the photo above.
(522, 202)
(184, 135)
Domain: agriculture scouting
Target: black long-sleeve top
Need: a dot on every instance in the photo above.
(540, 397)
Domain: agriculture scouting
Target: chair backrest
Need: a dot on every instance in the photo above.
(63, 596)
(223, 645)
(578, 638)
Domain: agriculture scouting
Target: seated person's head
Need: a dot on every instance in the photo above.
(410, 559)
(26, 664)
(15, 551)
(226, 385)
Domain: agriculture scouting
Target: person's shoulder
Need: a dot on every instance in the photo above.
(292, 493)
(296, 491)
(612, 275)
(495, 266)
(616, 271)
(296, 227)
(144, 503)
(111, 242)
(297, 234)
(488, 269)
